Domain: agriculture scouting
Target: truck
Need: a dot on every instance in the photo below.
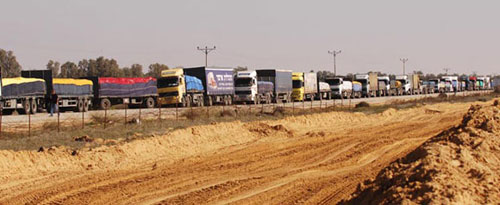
(74, 94)
(324, 91)
(26, 95)
(357, 90)
(175, 88)
(384, 85)
(217, 81)
(396, 88)
(471, 83)
(249, 89)
(450, 83)
(405, 84)
(416, 87)
(428, 87)
(305, 86)
(340, 88)
(282, 81)
(133, 92)
(369, 84)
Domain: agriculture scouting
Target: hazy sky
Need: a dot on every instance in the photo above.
(373, 35)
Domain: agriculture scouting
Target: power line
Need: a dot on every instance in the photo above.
(404, 60)
(206, 50)
(334, 53)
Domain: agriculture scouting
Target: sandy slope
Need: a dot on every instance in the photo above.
(459, 166)
(318, 158)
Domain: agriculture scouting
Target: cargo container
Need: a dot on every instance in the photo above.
(305, 86)
(282, 80)
(175, 88)
(249, 89)
(133, 92)
(74, 94)
(218, 83)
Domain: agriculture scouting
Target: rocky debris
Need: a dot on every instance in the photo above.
(459, 166)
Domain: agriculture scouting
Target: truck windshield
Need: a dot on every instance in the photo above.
(243, 82)
(168, 82)
(297, 83)
(333, 81)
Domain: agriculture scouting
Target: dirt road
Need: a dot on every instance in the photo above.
(317, 159)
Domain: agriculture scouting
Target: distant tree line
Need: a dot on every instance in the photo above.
(100, 67)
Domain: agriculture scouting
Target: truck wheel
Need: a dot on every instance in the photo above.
(26, 107)
(105, 104)
(150, 102)
(79, 106)
(256, 101)
(188, 101)
(34, 106)
(201, 102)
(209, 101)
(229, 100)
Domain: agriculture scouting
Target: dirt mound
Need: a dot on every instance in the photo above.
(460, 165)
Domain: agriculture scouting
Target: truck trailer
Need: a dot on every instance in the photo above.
(282, 81)
(218, 83)
(74, 94)
(133, 92)
(305, 86)
(26, 95)
(369, 84)
(249, 90)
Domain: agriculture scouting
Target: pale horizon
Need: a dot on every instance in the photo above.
(295, 35)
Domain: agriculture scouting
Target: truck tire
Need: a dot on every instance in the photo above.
(26, 107)
(105, 104)
(201, 102)
(80, 106)
(188, 101)
(229, 100)
(149, 103)
(256, 101)
(34, 106)
(210, 102)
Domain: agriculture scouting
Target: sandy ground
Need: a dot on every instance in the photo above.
(316, 159)
(459, 166)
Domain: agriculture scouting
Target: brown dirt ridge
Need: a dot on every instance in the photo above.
(459, 166)
(317, 158)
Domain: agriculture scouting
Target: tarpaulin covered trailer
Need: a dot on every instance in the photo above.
(23, 94)
(110, 91)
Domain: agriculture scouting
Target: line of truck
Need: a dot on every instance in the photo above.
(207, 86)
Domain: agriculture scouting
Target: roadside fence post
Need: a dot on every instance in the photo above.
(262, 109)
(126, 106)
(29, 123)
(105, 117)
(342, 101)
(58, 120)
(320, 102)
(176, 111)
(250, 109)
(1, 114)
(83, 119)
(159, 113)
(349, 103)
(191, 110)
(293, 107)
(312, 103)
(140, 108)
(303, 104)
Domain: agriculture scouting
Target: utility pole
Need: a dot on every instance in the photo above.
(334, 53)
(404, 60)
(446, 70)
(206, 50)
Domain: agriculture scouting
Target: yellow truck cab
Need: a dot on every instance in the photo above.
(305, 86)
(298, 86)
(171, 87)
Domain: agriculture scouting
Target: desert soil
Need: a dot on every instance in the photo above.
(316, 159)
